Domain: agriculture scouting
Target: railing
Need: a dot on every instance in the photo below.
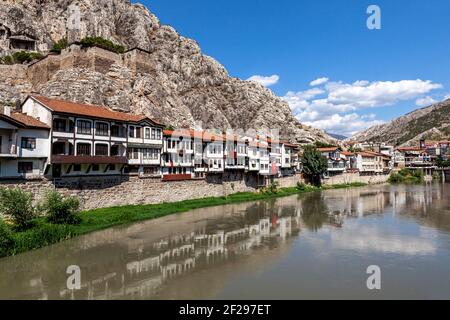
(63, 159)
(177, 177)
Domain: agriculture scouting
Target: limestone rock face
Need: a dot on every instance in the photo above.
(180, 86)
(430, 123)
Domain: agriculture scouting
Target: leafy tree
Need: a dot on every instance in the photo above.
(314, 164)
(18, 204)
(61, 210)
(441, 163)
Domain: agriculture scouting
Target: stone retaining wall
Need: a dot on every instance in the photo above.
(346, 178)
(110, 191)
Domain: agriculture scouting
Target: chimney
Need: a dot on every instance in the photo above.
(423, 144)
(6, 111)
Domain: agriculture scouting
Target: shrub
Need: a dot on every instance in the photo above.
(102, 43)
(40, 236)
(301, 186)
(6, 239)
(18, 204)
(59, 46)
(271, 189)
(24, 56)
(406, 176)
(61, 210)
(7, 60)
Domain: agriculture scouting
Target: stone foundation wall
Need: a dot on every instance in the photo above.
(101, 192)
(354, 178)
(111, 191)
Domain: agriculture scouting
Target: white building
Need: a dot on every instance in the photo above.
(24, 145)
(93, 140)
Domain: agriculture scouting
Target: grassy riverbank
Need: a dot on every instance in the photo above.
(44, 233)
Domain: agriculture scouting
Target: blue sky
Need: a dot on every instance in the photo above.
(367, 76)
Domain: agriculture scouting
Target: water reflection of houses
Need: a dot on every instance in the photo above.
(179, 255)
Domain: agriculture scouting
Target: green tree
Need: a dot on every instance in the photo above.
(18, 204)
(314, 164)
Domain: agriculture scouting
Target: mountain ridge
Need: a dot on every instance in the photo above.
(431, 123)
(184, 88)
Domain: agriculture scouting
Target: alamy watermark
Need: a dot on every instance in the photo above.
(374, 20)
(374, 281)
(74, 280)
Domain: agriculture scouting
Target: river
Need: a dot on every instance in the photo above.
(310, 246)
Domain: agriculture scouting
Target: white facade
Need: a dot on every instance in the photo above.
(23, 151)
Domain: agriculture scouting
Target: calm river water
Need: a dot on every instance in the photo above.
(301, 247)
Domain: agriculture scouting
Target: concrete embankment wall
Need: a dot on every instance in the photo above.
(102, 191)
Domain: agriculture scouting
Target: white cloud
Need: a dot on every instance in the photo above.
(336, 106)
(319, 82)
(347, 124)
(425, 101)
(265, 81)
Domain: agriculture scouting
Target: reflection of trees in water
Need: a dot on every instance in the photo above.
(314, 212)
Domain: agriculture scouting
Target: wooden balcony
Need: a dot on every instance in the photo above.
(57, 159)
(177, 177)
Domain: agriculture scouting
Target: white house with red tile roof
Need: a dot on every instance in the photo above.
(93, 140)
(24, 145)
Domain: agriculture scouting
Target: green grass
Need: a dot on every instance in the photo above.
(44, 233)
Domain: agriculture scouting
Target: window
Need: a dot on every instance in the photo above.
(84, 127)
(150, 170)
(158, 134)
(101, 129)
(96, 168)
(112, 167)
(147, 134)
(150, 154)
(133, 153)
(83, 149)
(101, 150)
(117, 131)
(28, 143)
(77, 168)
(59, 125)
(138, 133)
(131, 133)
(25, 167)
(115, 150)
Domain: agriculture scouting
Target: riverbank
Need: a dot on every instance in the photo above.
(45, 234)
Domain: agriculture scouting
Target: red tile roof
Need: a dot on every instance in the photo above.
(328, 149)
(348, 154)
(26, 121)
(89, 110)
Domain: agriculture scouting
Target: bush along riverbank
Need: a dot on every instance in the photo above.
(407, 176)
(58, 218)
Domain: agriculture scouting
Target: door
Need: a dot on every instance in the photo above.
(56, 171)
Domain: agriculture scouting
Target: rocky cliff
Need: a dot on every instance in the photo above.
(431, 123)
(184, 86)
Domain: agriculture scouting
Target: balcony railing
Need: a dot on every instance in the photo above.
(60, 159)
(177, 177)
